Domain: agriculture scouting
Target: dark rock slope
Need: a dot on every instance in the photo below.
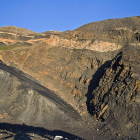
(116, 99)
(24, 101)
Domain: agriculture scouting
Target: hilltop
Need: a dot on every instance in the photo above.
(17, 30)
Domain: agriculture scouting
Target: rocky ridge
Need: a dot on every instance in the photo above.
(11, 37)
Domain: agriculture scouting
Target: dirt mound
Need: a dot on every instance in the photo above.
(116, 99)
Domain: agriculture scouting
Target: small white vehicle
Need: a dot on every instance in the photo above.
(58, 138)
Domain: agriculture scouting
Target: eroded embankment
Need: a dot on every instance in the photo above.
(26, 101)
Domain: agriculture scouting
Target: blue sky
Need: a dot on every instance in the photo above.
(61, 15)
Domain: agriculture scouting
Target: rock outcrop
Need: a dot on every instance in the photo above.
(94, 68)
(116, 99)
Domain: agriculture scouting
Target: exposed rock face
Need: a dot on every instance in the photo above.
(7, 38)
(22, 102)
(12, 36)
(132, 23)
(116, 100)
(65, 71)
(99, 36)
(80, 66)
(99, 46)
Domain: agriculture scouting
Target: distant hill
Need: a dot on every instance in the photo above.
(121, 31)
(131, 23)
(17, 30)
(52, 32)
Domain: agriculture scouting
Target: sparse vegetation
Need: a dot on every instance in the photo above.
(6, 47)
